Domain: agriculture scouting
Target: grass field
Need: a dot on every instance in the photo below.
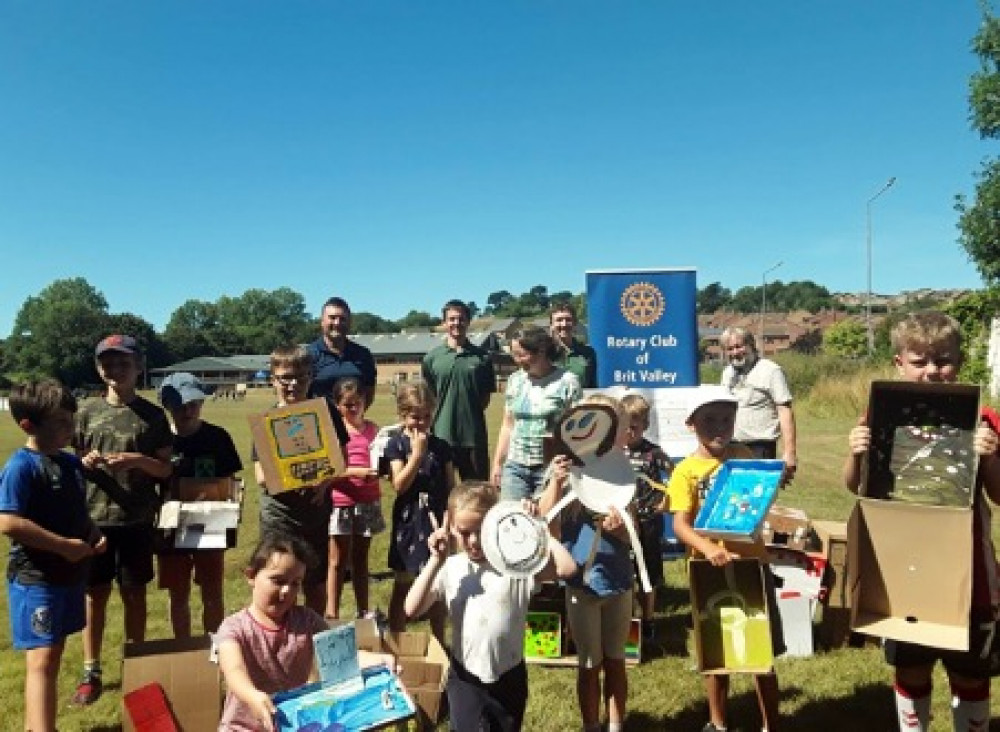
(840, 690)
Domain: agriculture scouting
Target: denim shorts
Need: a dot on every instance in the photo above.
(519, 481)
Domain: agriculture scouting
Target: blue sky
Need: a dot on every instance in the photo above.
(401, 152)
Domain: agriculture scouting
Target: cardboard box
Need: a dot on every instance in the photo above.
(732, 632)
(206, 516)
(424, 665)
(910, 572)
(798, 571)
(796, 609)
(832, 539)
(739, 499)
(921, 449)
(784, 526)
(543, 635)
(297, 445)
(209, 489)
(190, 681)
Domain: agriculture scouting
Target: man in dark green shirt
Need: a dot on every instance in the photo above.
(575, 356)
(461, 377)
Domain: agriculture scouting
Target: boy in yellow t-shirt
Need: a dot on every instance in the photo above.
(711, 415)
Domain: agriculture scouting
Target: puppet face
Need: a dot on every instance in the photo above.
(589, 430)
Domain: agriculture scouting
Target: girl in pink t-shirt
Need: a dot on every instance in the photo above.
(268, 647)
(357, 513)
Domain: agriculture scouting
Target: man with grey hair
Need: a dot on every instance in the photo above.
(765, 402)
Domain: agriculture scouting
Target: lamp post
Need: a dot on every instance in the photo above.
(868, 294)
(763, 300)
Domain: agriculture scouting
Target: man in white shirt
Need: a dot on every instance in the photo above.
(765, 402)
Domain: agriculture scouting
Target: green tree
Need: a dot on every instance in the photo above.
(417, 319)
(974, 312)
(979, 219)
(713, 298)
(191, 331)
(55, 333)
(846, 339)
(362, 322)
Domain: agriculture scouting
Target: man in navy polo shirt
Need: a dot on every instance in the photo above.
(336, 356)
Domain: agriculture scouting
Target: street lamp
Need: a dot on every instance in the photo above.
(763, 300)
(868, 295)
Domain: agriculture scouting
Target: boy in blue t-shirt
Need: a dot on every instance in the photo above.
(44, 513)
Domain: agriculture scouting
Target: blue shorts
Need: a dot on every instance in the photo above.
(43, 615)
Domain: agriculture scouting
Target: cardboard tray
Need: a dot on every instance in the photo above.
(297, 445)
(909, 570)
(921, 443)
(731, 620)
(740, 498)
(190, 681)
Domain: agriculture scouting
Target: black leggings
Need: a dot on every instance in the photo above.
(477, 707)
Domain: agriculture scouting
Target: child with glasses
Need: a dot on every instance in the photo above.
(304, 512)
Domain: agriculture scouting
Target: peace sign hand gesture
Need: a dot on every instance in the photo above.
(439, 540)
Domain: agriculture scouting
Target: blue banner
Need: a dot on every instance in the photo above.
(643, 326)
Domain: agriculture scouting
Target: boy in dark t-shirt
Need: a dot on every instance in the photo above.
(648, 460)
(201, 450)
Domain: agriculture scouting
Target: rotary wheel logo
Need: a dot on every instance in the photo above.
(642, 303)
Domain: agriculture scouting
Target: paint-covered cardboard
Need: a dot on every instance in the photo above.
(731, 621)
(921, 443)
(297, 445)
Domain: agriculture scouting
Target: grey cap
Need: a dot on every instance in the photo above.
(180, 388)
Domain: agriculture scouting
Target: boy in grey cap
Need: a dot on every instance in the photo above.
(201, 450)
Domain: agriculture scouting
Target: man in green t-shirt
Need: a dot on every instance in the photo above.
(574, 355)
(461, 377)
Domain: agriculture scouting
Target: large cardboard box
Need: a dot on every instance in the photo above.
(910, 572)
(739, 499)
(424, 665)
(732, 632)
(189, 679)
(921, 443)
(297, 445)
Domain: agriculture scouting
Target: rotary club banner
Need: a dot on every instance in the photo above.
(643, 326)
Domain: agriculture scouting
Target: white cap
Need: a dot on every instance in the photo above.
(703, 395)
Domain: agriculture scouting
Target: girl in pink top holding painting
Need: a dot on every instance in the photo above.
(357, 513)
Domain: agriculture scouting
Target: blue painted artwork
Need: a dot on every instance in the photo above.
(337, 655)
(739, 499)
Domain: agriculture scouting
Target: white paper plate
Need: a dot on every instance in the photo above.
(514, 542)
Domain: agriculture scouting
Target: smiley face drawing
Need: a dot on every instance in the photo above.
(514, 542)
(586, 431)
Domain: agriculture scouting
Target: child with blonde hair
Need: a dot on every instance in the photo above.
(599, 593)
(488, 683)
(928, 348)
(422, 473)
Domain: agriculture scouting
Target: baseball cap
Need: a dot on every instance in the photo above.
(708, 395)
(180, 388)
(120, 343)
